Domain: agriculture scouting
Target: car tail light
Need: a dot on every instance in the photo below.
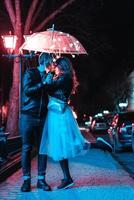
(116, 120)
(122, 126)
(93, 124)
(109, 130)
(120, 130)
(132, 127)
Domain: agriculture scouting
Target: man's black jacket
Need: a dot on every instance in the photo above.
(34, 96)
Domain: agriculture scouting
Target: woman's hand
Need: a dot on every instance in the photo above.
(47, 70)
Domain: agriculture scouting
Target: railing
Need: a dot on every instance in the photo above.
(9, 146)
(14, 145)
(12, 151)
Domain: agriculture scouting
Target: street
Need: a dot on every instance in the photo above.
(125, 158)
(96, 175)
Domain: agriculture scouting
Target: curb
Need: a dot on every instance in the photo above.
(127, 169)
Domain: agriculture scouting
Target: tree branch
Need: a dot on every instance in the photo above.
(37, 12)
(10, 10)
(30, 15)
(18, 11)
(52, 15)
(18, 25)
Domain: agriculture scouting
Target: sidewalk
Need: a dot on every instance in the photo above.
(97, 176)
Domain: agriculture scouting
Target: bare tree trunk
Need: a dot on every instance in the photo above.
(12, 121)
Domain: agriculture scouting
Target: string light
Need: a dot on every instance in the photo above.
(73, 56)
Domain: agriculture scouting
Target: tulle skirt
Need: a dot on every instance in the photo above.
(61, 138)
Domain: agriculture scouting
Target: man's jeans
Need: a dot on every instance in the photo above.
(31, 128)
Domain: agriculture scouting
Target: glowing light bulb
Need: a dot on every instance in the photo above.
(71, 44)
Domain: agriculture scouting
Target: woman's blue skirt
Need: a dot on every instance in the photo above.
(61, 138)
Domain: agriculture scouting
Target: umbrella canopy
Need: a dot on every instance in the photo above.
(56, 42)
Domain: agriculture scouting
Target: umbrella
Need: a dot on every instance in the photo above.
(56, 42)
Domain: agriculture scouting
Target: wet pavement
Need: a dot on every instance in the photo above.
(97, 175)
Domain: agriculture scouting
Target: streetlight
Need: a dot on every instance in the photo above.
(9, 42)
(123, 105)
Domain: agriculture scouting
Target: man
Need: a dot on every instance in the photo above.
(33, 114)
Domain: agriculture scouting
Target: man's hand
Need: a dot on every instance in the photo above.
(48, 78)
(47, 69)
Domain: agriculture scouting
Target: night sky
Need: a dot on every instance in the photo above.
(105, 28)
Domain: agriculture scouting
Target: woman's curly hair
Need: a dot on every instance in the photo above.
(65, 65)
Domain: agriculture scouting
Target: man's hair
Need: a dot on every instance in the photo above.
(45, 58)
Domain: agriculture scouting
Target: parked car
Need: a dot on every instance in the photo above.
(120, 131)
(99, 124)
(133, 136)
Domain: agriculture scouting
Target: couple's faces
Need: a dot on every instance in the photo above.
(53, 68)
(50, 67)
(57, 70)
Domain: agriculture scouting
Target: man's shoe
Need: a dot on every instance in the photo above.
(26, 186)
(65, 183)
(102, 144)
(42, 184)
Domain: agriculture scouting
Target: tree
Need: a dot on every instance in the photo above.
(119, 90)
(23, 26)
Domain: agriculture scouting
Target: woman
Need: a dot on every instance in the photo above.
(61, 137)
